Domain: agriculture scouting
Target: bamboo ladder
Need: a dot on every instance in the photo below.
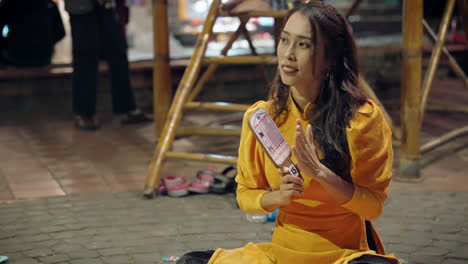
(189, 88)
(414, 97)
(439, 47)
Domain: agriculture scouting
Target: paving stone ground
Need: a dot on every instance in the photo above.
(419, 227)
(73, 197)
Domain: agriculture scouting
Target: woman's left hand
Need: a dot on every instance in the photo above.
(306, 155)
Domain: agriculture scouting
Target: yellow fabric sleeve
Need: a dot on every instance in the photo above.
(370, 146)
(251, 179)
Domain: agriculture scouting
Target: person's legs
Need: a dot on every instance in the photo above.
(115, 53)
(370, 259)
(196, 257)
(85, 64)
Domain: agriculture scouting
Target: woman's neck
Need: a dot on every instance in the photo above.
(300, 100)
(304, 95)
(309, 91)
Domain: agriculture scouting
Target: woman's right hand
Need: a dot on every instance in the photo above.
(290, 187)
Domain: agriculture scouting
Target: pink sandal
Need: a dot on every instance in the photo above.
(176, 186)
(202, 182)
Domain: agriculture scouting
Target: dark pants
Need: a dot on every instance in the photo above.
(96, 35)
(196, 257)
(202, 257)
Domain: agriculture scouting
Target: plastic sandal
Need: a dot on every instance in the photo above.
(162, 189)
(224, 181)
(203, 181)
(176, 186)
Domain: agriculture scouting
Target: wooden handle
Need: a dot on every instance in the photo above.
(294, 171)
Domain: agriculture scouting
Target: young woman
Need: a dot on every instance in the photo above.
(341, 143)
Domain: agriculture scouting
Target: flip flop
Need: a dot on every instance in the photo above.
(3, 259)
(224, 182)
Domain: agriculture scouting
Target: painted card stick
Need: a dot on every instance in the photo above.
(272, 141)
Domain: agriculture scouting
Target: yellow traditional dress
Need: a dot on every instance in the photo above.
(315, 229)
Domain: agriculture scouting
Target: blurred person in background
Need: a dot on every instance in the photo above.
(29, 30)
(97, 33)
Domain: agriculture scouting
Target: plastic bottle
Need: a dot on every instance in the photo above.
(271, 217)
(256, 218)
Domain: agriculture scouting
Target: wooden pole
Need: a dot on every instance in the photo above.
(213, 67)
(162, 89)
(216, 106)
(353, 7)
(175, 111)
(444, 139)
(203, 157)
(452, 61)
(409, 159)
(255, 13)
(244, 59)
(436, 52)
(260, 67)
(209, 131)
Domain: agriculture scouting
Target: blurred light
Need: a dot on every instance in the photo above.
(253, 20)
(5, 31)
(200, 6)
(266, 21)
(354, 18)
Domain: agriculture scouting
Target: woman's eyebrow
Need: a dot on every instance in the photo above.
(299, 36)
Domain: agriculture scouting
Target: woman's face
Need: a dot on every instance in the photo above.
(295, 55)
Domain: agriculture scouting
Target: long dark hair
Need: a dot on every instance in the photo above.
(340, 96)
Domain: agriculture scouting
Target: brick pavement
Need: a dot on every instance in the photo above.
(418, 226)
(69, 196)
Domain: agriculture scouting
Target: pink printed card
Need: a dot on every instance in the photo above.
(271, 139)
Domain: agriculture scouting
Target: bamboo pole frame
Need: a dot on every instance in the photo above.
(246, 34)
(213, 67)
(411, 116)
(353, 7)
(260, 68)
(162, 89)
(247, 59)
(447, 108)
(202, 157)
(435, 107)
(409, 160)
(218, 106)
(435, 57)
(366, 87)
(175, 112)
(270, 13)
(452, 62)
(444, 139)
(209, 131)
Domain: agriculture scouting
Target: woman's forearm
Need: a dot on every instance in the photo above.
(270, 201)
(340, 189)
